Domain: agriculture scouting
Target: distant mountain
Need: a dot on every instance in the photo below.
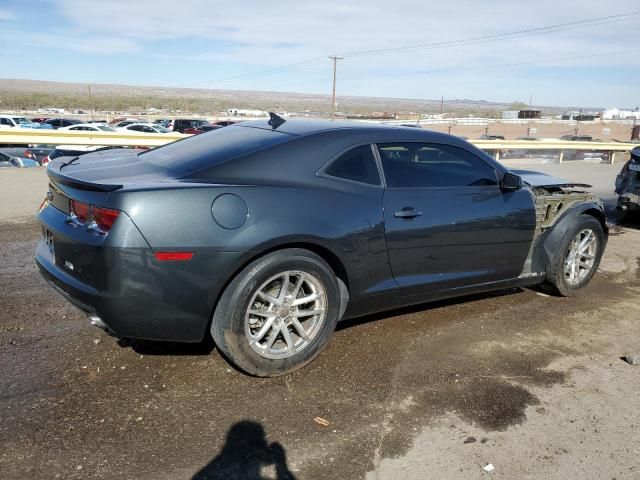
(214, 98)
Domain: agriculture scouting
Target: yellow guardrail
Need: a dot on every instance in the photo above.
(498, 147)
(65, 137)
(552, 145)
(58, 137)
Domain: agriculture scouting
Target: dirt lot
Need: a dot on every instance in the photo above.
(530, 383)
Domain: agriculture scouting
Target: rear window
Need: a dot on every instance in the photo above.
(206, 150)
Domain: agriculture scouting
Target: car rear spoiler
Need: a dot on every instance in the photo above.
(53, 171)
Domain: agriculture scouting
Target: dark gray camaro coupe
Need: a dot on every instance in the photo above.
(267, 233)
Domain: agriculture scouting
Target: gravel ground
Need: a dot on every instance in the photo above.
(530, 383)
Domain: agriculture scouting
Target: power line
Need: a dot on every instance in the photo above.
(596, 21)
(270, 71)
(499, 65)
(499, 36)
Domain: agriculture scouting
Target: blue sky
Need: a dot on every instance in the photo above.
(206, 43)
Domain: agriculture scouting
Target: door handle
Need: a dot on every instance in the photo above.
(407, 213)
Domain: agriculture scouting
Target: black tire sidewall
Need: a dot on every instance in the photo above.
(581, 222)
(228, 321)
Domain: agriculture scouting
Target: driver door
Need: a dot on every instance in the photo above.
(448, 224)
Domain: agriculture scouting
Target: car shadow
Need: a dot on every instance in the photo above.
(245, 455)
(206, 347)
(151, 347)
(632, 222)
(422, 307)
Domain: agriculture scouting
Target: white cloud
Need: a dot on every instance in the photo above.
(5, 14)
(258, 29)
(226, 38)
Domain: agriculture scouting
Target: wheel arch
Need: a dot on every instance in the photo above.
(322, 251)
(548, 242)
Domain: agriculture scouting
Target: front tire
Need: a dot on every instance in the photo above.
(577, 258)
(278, 313)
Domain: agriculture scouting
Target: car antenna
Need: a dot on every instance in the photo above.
(275, 120)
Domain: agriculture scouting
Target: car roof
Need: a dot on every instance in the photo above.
(317, 142)
(306, 127)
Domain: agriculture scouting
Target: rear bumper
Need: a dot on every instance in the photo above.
(133, 293)
(72, 290)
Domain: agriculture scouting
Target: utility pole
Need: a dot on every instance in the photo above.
(333, 96)
(529, 116)
(90, 101)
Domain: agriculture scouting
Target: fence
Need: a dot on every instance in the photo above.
(496, 147)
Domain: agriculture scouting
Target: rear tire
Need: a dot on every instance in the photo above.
(577, 258)
(278, 313)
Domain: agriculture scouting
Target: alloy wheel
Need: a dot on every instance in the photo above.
(581, 256)
(285, 314)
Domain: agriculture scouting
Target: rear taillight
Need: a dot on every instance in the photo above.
(30, 155)
(104, 217)
(80, 210)
(45, 160)
(100, 219)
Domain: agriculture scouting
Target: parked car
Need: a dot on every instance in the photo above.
(180, 124)
(19, 162)
(61, 122)
(37, 153)
(493, 152)
(577, 138)
(144, 128)
(486, 136)
(12, 121)
(226, 123)
(628, 187)
(265, 234)
(89, 127)
(201, 129)
(165, 122)
(583, 154)
(73, 151)
(114, 123)
(123, 123)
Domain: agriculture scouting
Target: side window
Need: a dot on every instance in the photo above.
(419, 165)
(358, 165)
(6, 121)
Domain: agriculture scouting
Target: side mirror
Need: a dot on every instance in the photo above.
(510, 182)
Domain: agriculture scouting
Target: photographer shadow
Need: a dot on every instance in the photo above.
(244, 456)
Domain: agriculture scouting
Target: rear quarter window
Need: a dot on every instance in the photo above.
(197, 153)
(357, 165)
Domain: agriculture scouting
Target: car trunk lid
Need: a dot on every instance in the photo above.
(105, 171)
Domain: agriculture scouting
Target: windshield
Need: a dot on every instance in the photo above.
(200, 152)
(105, 128)
(21, 120)
(161, 129)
